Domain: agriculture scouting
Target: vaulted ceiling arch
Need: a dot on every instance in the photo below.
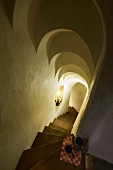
(63, 40)
(43, 17)
(69, 75)
(70, 58)
(73, 69)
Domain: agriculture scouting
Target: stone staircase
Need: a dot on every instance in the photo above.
(45, 151)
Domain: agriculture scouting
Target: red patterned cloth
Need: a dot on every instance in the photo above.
(64, 156)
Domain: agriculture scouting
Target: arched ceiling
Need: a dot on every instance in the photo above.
(41, 17)
(79, 16)
(72, 75)
(70, 58)
(75, 77)
(70, 25)
(62, 40)
(73, 69)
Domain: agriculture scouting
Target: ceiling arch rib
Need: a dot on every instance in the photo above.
(70, 58)
(74, 75)
(69, 41)
(71, 78)
(44, 16)
(73, 69)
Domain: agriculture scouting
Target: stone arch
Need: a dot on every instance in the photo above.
(43, 16)
(70, 58)
(69, 41)
(69, 82)
(74, 69)
(69, 75)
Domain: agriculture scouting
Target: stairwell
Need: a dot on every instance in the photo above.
(45, 151)
(46, 148)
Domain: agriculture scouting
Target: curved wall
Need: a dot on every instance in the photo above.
(79, 16)
(27, 82)
(77, 96)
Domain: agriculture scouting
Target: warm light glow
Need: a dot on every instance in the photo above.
(59, 95)
(74, 78)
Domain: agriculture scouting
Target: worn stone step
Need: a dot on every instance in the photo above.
(68, 114)
(48, 130)
(71, 122)
(51, 125)
(61, 123)
(70, 117)
(33, 156)
(53, 163)
(42, 139)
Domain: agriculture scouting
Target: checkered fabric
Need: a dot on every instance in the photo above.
(76, 160)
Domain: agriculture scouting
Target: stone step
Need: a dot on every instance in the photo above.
(61, 123)
(33, 156)
(70, 114)
(48, 130)
(51, 125)
(53, 163)
(68, 118)
(42, 139)
(70, 122)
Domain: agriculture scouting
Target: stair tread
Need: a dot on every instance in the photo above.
(63, 124)
(51, 131)
(46, 155)
(43, 138)
(32, 156)
(51, 162)
(68, 117)
(59, 128)
(67, 120)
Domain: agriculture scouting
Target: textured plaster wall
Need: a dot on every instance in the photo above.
(26, 94)
(27, 82)
(63, 107)
(77, 96)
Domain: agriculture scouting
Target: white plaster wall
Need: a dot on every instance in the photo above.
(63, 107)
(26, 94)
(68, 83)
(27, 88)
(77, 96)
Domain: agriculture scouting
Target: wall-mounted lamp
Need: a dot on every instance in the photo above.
(59, 96)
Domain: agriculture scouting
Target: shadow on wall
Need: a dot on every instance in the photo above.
(8, 7)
